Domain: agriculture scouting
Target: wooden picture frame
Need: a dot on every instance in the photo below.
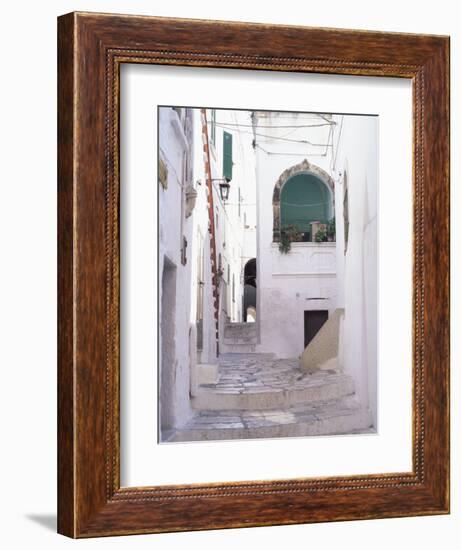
(92, 48)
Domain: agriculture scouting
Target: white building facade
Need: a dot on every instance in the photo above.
(303, 279)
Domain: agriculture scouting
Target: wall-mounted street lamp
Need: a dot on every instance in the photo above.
(224, 189)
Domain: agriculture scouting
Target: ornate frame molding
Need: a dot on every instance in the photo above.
(91, 501)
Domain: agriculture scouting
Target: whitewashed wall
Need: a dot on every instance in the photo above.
(174, 393)
(357, 158)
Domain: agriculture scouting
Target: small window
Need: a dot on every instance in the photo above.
(213, 127)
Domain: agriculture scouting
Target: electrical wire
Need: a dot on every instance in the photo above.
(276, 126)
(290, 154)
(304, 141)
(271, 138)
(280, 115)
(323, 116)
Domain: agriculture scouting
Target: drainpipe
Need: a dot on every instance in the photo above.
(214, 263)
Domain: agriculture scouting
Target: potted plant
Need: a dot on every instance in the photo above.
(331, 230)
(321, 235)
(288, 234)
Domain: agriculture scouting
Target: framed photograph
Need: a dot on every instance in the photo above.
(253, 259)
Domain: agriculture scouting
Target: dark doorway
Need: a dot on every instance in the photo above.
(250, 272)
(249, 300)
(249, 289)
(313, 322)
(167, 345)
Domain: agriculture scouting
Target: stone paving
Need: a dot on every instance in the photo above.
(257, 372)
(321, 418)
(259, 395)
(261, 381)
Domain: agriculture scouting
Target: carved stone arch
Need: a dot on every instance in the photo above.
(304, 167)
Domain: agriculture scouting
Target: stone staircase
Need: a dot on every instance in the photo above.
(258, 395)
(239, 338)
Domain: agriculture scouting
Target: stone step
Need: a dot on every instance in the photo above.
(232, 358)
(340, 416)
(240, 330)
(241, 340)
(237, 348)
(241, 325)
(231, 331)
(266, 393)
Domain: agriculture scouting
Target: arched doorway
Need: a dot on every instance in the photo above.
(249, 291)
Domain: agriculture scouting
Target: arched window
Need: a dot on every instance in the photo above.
(304, 199)
(303, 195)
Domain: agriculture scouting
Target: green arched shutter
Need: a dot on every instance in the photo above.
(304, 199)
